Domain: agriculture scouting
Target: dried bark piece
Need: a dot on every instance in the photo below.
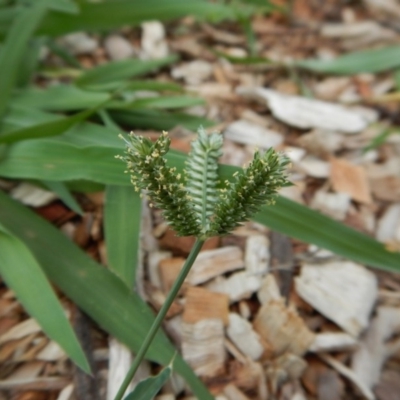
(203, 304)
(233, 393)
(120, 360)
(369, 358)
(351, 179)
(245, 132)
(269, 290)
(212, 263)
(257, 255)
(238, 286)
(169, 269)
(344, 292)
(203, 346)
(349, 374)
(307, 113)
(282, 328)
(333, 341)
(24, 328)
(313, 166)
(51, 352)
(335, 205)
(157, 298)
(386, 188)
(244, 337)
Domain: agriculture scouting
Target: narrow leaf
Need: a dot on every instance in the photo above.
(14, 47)
(117, 70)
(148, 388)
(64, 194)
(369, 61)
(24, 276)
(94, 16)
(98, 291)
(122, 220)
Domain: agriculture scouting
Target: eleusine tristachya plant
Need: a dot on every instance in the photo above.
(196, 203)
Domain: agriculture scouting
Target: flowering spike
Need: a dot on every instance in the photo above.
(191, 203)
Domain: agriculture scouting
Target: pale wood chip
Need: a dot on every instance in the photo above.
(244, 337)
(203, 346)
(306, 113)
(342, 291)
(31, 195)
(233, 393)
(245, 132)
(238, 286)
(351, 179)
(257, 255)
(335, 205)
(313, 166)
(282, 328)
(66, 393)
(27, 371)
(269, 290)
(369, 358)
(21, 330)
(333, 341)
(212, 263)
(386, 188)
(120, 360)
(202, 304)
(349, 374)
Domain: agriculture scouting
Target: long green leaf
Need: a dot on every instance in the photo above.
(148, 388)
(14, 47)
(372, 61)
(158, 119)
(64, 194)
(98, 291)
(106, 15)
(53, 160)
(119, 70)
(24, 276)
(122, 220)
(160, 102)
(59, 98)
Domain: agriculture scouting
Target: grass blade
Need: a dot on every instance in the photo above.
(148, 388)
(66, 162)
(310, 226)
(122, 220)
(368, 61)
(61, 190)
(24, 276)
(98, 291)
(15, 45)
(158, 119)
(105, 15)
(119, 70)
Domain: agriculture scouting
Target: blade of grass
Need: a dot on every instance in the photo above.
(310, 226)
(57, 161)
(64, 194)
(98, 291)
(59, 98)
(119, 70)
(122, 220)
(368, 61)
(51, 128)
(158, 119)
(148, 388)
(15, 45)
(159, 102)
(23, 275)
(114, 14)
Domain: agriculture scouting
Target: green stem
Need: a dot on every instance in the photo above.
(160, 316)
